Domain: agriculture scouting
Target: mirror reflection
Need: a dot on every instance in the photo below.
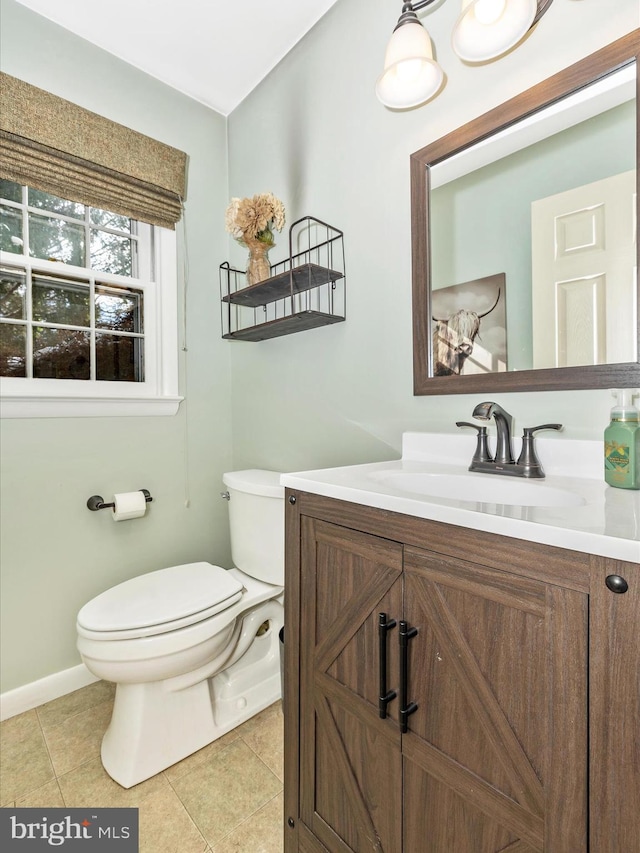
(533, 249)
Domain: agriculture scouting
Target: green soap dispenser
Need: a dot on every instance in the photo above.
(622, 443)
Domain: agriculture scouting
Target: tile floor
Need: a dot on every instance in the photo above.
(227, 797)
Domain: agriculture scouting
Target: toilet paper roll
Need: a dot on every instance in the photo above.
(129, 505)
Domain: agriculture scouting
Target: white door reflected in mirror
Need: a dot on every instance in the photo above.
(584, 274)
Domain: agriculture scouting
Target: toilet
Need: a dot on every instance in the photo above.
(194, 649)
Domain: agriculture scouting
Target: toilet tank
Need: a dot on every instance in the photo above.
(256, 522)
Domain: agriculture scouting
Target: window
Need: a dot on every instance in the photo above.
(87, 309)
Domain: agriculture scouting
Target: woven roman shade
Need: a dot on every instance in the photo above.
(53, 145)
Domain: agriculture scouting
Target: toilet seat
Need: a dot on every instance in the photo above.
(130, 648)
(159, 602)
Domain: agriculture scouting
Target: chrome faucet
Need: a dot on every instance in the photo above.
(528, 464)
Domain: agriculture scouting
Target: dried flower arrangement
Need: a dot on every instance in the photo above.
(250, 219)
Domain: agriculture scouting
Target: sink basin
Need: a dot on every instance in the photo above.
(478, 488)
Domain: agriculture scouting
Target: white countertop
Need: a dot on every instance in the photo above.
(606, 521)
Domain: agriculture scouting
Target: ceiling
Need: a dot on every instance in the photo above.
(215, 51)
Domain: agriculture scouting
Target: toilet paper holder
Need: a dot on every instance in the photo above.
(96, 502)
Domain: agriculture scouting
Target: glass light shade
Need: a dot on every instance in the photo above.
(411, 76)
(488, 28)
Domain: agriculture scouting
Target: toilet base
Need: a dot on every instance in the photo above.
(153, 727)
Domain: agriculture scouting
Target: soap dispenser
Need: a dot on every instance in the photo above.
(622, 443)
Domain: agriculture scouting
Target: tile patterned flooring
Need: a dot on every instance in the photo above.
(226, 797)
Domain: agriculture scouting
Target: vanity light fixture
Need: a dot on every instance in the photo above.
(485, 29)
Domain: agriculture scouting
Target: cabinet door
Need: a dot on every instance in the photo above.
(351, 765)
(495, 758)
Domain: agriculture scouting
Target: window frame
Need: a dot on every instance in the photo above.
(22, 397)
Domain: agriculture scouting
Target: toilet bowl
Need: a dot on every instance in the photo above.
(193, 649)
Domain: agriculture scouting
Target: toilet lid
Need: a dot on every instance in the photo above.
(181, 594)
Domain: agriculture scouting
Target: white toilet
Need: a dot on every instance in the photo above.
(194, 650)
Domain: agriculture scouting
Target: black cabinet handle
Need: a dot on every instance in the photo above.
(406, 709)
(615, 583)
(384, 696)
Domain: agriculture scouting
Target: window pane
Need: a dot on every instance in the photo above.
(10, 191)
(56, 240)
(110, 253)
(13, 348)
(119, 359)
(60, 301)
(46, 201)
(109, 220)
(11, 230)
(120, 310)
(61, 354)
(13, 292)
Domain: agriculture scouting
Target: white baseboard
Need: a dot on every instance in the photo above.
(44, 690)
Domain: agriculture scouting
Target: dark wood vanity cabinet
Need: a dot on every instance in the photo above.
(520, 700)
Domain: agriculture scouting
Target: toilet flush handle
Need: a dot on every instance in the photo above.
(225, 496)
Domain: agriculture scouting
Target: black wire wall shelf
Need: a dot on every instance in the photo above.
(305, 291)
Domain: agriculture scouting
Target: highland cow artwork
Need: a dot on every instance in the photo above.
(469, 327)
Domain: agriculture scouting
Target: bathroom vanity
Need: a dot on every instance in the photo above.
(461, 675)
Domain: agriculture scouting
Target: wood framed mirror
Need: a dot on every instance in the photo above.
(554, 306)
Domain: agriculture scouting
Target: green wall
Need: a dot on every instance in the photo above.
(314, 134)
(55, 553)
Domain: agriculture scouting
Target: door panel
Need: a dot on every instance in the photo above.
(467, 825)
(498, 670)
(583, 274)
(357, 770)
(351, 760)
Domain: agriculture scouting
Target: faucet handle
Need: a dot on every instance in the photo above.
(482, 449)
(530, 430)
(528, 457)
